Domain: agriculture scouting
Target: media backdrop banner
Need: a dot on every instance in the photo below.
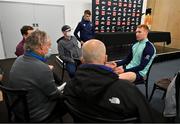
(116, 15)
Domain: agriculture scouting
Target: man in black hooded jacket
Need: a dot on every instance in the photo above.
(98, 91)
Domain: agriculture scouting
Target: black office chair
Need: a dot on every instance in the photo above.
(161, 84)
(79, 116)
(19, 100)
(146, 78)
(62, 64)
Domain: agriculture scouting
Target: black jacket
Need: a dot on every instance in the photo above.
(86, 30)
(98, 91)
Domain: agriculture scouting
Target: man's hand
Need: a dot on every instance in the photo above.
(1, 77)
(82, 42)
(51, 67)
(119, 70)
(111, 64)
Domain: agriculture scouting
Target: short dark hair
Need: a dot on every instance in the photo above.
(25, 28)
(66, 28)
(87, 12)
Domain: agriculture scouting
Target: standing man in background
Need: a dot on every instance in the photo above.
(25, 31)
(85, 27)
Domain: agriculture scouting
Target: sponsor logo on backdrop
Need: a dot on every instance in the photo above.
(110, 15)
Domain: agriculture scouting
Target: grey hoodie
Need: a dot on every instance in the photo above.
(68, 49)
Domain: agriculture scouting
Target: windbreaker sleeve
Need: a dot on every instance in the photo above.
(78, 28)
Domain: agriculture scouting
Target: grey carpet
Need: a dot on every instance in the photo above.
(158, 71)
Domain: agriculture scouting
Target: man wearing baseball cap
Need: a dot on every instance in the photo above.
(69, 51)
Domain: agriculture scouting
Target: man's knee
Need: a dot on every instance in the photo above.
(130, 76)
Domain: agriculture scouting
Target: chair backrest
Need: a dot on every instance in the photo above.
(177, 86)
(146, 78)
(79, 116)
(62, 64)
(16, 103)
(154, 61)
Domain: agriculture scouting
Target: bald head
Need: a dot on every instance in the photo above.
(94, 51)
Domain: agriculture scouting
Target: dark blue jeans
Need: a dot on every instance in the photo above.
(71, 69)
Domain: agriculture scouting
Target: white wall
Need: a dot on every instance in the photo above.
(73, 8)
(1, 48)
(73, 12)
